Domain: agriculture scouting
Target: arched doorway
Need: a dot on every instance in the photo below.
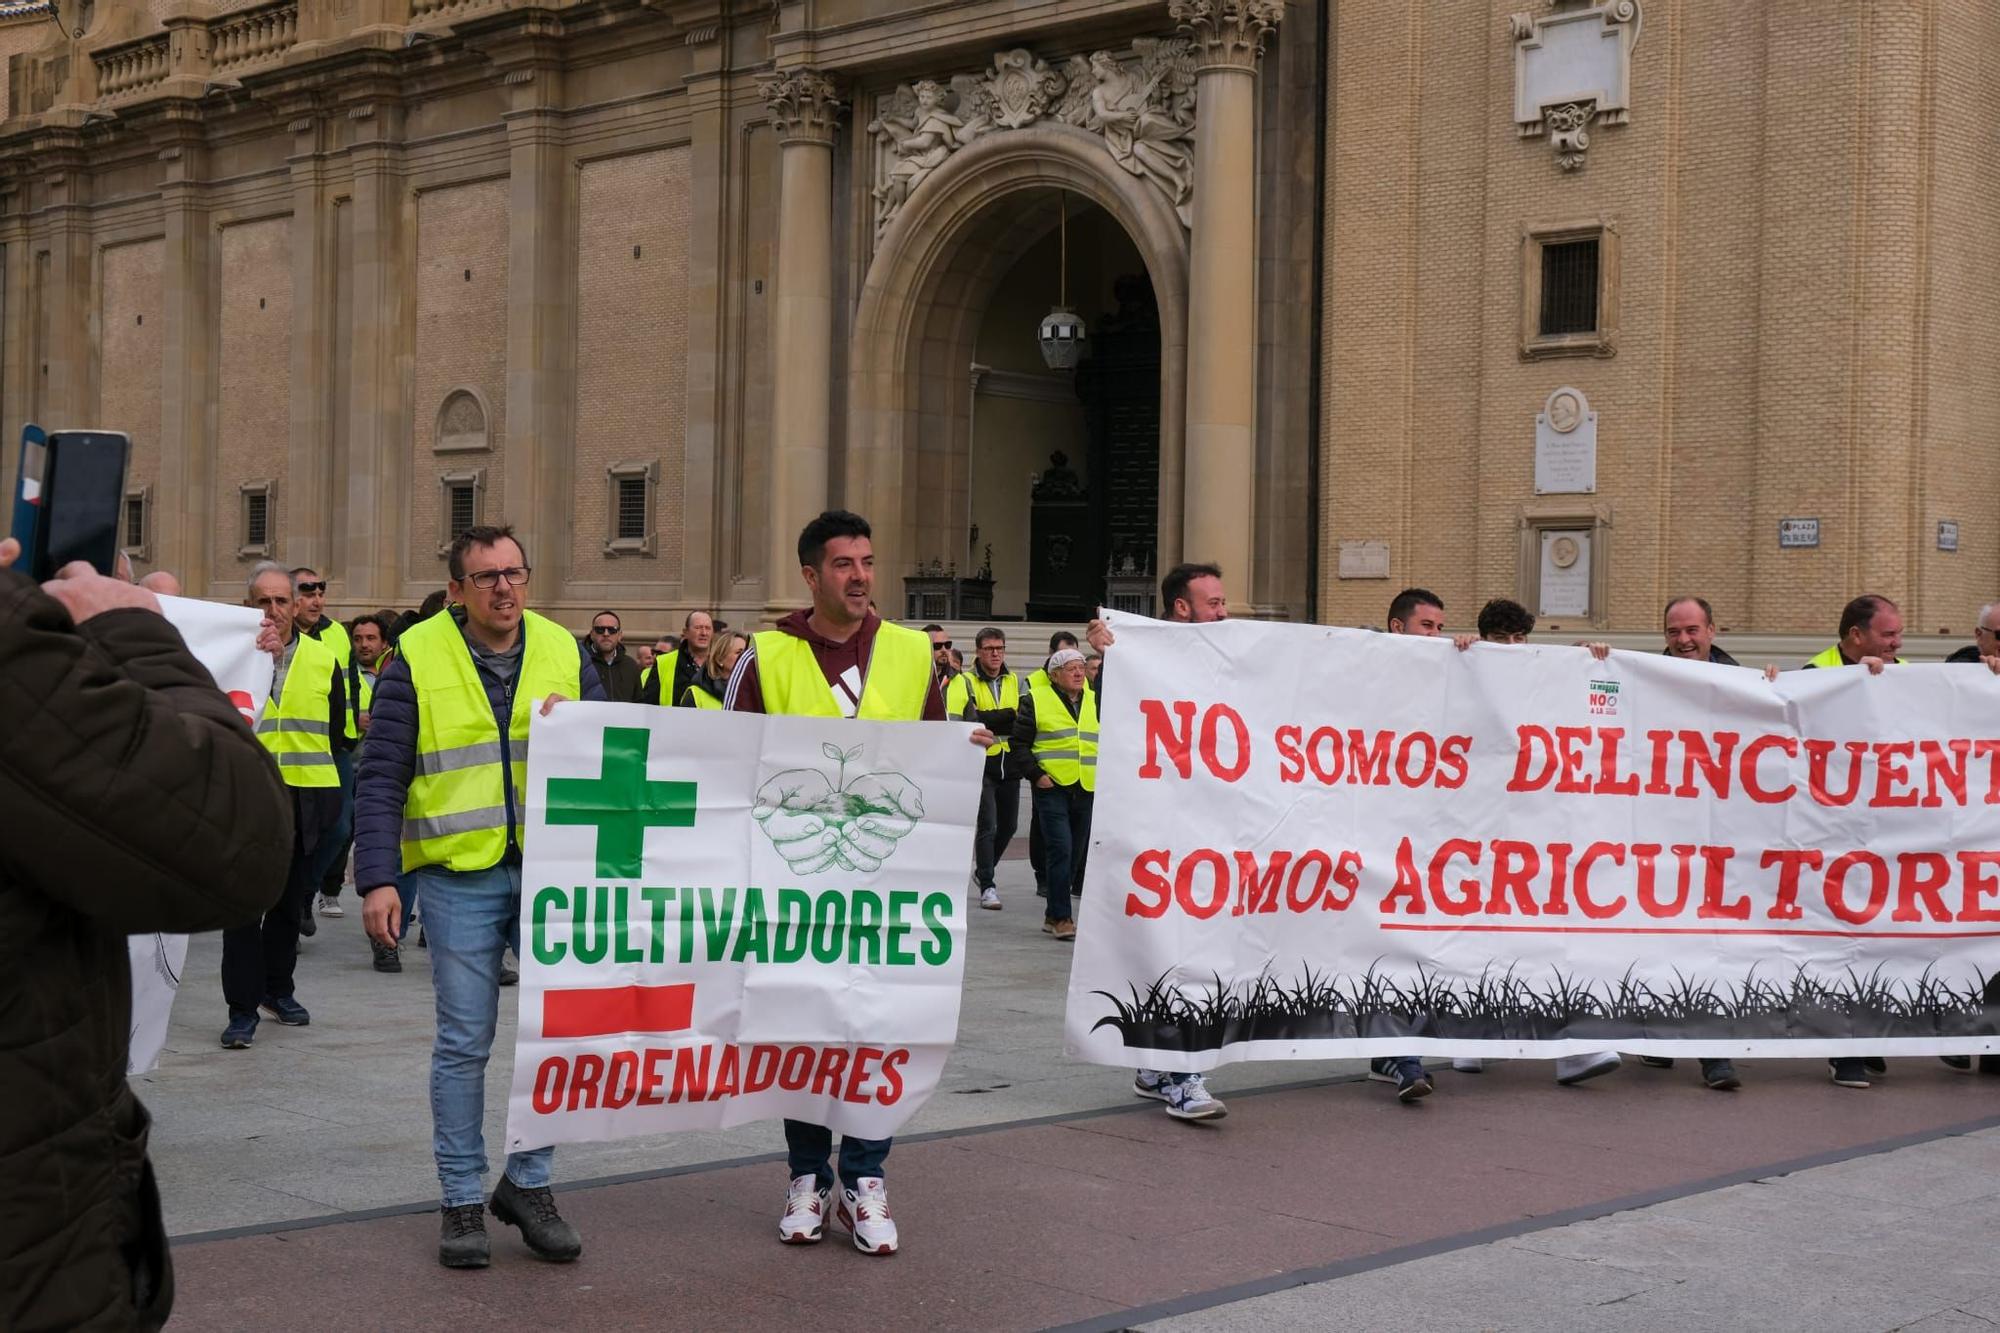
(917, 330)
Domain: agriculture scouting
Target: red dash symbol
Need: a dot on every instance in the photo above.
(607, 1010)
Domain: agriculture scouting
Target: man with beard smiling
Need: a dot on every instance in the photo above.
(837, 658)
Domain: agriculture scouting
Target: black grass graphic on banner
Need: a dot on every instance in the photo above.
(1505, 1005)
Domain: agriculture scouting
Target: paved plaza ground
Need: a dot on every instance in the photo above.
(1033, 1192)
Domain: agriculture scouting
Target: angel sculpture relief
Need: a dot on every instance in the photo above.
(1134, 108)
(920, 135)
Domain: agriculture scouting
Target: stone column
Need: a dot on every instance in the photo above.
(380, 364)
(1228, 37)
(804, 111)
(309, 472)
(185, 514)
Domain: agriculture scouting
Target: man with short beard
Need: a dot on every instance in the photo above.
(837, 659)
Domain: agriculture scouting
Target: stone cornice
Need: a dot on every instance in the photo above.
(1227, 34)
(805, 106)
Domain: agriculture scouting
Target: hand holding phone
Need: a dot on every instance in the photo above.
(86, 593)
(70, 499)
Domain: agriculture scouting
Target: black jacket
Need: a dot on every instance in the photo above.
(389, 760)
(619, 676)
(1969, 653)
(1715, 655)
(132, 798)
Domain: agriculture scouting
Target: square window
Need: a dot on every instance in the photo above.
(1569, 289)
(258, 521)
(461, 502)
(632, 492)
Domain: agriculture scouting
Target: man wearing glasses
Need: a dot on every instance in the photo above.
(442, 796)
(617, 672)
(1985, 636)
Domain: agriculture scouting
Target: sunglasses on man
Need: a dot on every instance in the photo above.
(603, 629)
(308, 589)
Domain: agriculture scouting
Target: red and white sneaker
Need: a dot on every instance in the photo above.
(804, 1221)
(864, 1211)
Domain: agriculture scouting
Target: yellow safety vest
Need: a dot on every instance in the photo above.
(894, 686)
(701, 698)
(959, 694)
(333, 635)
(297, 726)
(1067, 754)
(1832, 658)
(456, 813)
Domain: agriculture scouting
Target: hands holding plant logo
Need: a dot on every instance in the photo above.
(819, 823)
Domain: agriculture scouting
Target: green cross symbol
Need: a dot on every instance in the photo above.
(621, 803)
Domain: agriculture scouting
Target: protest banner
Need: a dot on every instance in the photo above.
(1316, 842)
(727, 917)
(223, 639)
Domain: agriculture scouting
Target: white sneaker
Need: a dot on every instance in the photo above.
(864, 1211)
(1576, 1068)
(1468, 1064)
(330, 906)
(804, 1221)
(1189, 1100)
(1149, 1083)
(989, 898)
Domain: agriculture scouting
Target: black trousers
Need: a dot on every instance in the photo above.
(999, 815)
(258, 959)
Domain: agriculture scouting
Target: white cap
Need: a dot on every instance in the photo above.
(1063, 657)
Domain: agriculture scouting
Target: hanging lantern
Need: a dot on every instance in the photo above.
(1062, 339)
(1062, 332)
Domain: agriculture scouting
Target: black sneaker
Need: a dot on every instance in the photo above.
(387, 958)
(307, 926)
(286, 1010)
(1962, 1063)
(462, 1237)
(508, 976)
(242, 1030)
(1989, 1064)
(1656, 1061)
(422, 943)
(542, 1227)
(1849, 1072)
(1874, 1064)
(1720, 1075)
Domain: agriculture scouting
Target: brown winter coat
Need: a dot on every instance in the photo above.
(132, 798)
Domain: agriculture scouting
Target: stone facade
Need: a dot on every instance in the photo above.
(369, 260)
(1805, 319)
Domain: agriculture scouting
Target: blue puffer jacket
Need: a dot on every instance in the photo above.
(389, 761)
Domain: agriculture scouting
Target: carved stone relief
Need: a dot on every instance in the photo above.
(1573, 69)
(461, 423)
(1141, 101)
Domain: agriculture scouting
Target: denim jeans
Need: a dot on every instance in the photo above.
(808, 1146)
(1064, 813)
(999, 815)
(469, 920)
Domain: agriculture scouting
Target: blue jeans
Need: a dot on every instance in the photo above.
(807, 1147)
(469, 920)
(1064, 814)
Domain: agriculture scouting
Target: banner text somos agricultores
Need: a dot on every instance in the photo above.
(1518, 849)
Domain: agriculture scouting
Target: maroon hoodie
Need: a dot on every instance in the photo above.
(845, 666)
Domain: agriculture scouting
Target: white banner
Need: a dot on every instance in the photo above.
(223, 639)
(1315, 842)
(727, 917)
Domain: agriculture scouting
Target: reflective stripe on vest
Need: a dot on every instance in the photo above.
(960, 694)
(297, 726)
(1067, 754)
(333, 636)
(456, 813)
(894, 688)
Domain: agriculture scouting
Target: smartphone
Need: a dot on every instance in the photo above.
(77, 499)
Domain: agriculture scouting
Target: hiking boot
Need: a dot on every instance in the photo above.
(864, 1211)
(534, 1212)
(1064, 930)
(804, 1219)
(462, 1237)
(1190, 1099)
(286, 1010)
(1720, 1075)
(242, 1030)
(387, 957)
